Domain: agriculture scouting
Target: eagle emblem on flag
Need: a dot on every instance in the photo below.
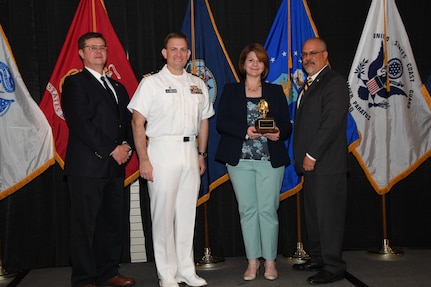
(374, 85)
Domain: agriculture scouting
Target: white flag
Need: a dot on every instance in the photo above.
(26, 142)
(389, 103)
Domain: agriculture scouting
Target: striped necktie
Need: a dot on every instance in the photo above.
(306, 86)
(308, 83)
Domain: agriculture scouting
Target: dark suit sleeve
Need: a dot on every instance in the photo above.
(78, 103)
(231, 115)
(231, 112)
(333, 116)
(125, 114)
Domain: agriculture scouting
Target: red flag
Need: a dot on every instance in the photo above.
(91, 16)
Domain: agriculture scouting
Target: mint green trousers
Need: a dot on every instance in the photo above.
(257, 188)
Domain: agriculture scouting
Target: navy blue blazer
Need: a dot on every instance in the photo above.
(96, 125)
(232, 123)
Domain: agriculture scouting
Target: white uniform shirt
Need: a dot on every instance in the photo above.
(172, 105)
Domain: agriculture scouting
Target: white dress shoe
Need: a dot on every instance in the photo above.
(168, 283)
(193, 280)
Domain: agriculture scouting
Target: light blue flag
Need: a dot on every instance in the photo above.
(211, 62)
(292, 26)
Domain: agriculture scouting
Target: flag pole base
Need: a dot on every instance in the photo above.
(5, 274)
(386, 252)
(209, 262)
(299, 254)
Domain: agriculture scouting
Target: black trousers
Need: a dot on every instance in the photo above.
(96, 212)
(325, 199)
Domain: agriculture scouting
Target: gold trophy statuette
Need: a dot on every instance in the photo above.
(264, 124)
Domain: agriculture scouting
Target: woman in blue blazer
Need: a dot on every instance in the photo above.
(255, 159)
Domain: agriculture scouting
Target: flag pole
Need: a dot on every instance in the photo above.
(385, 252)
(299, 253)
(192, 25)
(208, 261)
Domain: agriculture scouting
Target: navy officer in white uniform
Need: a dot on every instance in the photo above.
(170, 111)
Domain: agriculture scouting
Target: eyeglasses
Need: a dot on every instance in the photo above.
(94, 48)
(311, 54)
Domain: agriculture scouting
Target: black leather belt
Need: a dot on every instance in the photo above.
(172, 139)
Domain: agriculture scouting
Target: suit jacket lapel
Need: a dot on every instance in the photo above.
(95, 82)
(313, 85)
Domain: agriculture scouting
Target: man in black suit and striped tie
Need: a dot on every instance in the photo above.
(320, 153)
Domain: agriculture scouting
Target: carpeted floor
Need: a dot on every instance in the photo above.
(411, 269)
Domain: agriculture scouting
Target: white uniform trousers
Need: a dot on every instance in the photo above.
(173, 197)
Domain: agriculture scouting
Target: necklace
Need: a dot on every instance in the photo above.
(252, 90)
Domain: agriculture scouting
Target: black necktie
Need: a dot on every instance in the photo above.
(108, 89)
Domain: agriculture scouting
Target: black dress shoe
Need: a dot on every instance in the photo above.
(323, 277)
(308, 266)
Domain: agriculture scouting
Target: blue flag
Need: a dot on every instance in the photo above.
(211, 62)
(292, 26)
(428, 84)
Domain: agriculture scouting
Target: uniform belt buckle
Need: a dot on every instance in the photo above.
(186, 139)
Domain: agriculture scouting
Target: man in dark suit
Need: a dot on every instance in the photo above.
(99, 146)
(320, 153)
